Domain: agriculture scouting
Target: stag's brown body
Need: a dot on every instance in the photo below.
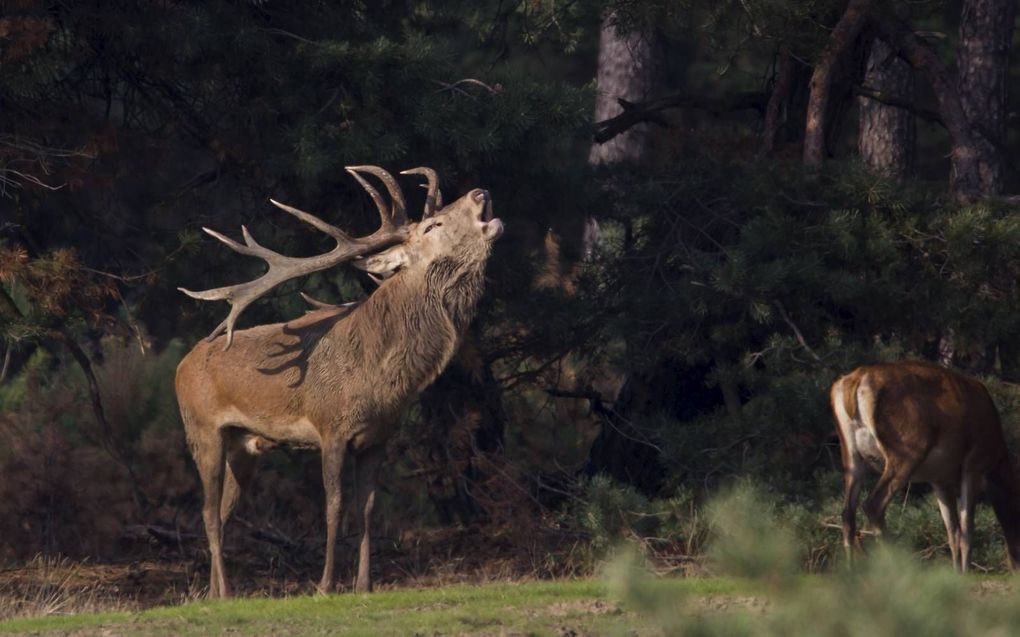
(338, 378)
(918, 422)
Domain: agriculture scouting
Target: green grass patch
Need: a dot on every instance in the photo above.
(584, 606)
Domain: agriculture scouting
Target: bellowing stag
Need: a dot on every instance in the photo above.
(338, 378)
(918, 422)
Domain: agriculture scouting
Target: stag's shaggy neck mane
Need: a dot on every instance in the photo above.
(417, 317)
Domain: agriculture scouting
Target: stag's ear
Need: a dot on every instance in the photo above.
(384, 263)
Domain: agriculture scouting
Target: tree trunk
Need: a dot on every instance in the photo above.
(887, 133)
(986, 32)
(780, 94)
(843, 37)
(628, 69)
(968, 150)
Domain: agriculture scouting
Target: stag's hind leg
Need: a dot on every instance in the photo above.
(209, 453)
(242, 453)
(366, 479)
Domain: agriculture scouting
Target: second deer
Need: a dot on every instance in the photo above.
(918, 422)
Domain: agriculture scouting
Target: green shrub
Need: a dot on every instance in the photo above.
(887, 593)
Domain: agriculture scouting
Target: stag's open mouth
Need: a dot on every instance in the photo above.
(491, 227)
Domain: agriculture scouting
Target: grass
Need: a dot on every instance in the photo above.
(582, 606)
(887, 593)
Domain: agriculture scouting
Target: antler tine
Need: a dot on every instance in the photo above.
(283, 268)
(398, 211)
(312, 220)
(376, 197)
(322, 305)
(434, 198)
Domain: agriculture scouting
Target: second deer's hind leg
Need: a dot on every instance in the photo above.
(968, 488)
(852, 475)
(946, 498)
(895, 476)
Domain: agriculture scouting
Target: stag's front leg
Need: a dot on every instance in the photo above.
(366, 479)
(334, 453)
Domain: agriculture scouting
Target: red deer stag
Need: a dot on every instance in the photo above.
(917, 422)
(339, 377)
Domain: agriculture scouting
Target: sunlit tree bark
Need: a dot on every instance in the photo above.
(986, 32)
(887, 134)
(628, 69)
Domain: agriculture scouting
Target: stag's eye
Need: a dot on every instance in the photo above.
(429, 229)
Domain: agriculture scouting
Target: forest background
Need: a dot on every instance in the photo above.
(713, 209)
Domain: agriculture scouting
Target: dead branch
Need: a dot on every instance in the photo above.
(890, 100)
(271, 536)
(7, 363)
(609, 415)
(169, 537)
(796, 331)
(276, 539)
(635, 113)
(495, 89)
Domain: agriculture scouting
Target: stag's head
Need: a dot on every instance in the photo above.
(462, 232)
(449, 241)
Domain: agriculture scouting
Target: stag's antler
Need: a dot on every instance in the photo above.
(434, 197)
(393, 229)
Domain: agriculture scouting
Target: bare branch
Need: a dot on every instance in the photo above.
(7, 363)
(495, 89)
(796, 331)
(637, 113)
(891, 100)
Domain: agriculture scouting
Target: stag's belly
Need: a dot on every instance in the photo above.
(298, 431)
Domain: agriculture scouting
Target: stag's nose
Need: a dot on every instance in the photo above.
(480, 195)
